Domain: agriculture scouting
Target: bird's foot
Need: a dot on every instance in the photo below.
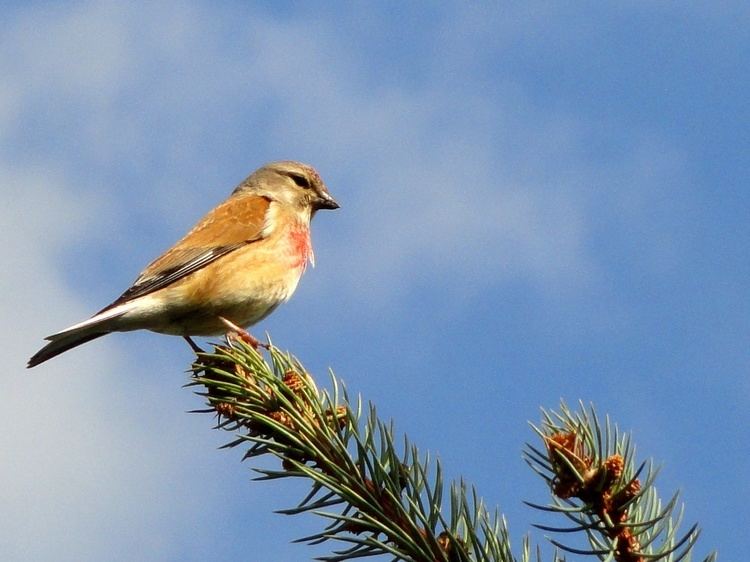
(194, 346)
(243, 334)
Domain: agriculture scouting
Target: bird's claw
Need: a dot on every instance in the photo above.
(243, 334)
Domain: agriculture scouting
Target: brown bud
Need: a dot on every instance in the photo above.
(569, 446)
(614, 466)
(628, 547)
(294, 381)
(627, 493)
(282, 417)
(339, 417)
(225, 409)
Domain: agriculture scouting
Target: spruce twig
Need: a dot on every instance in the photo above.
(389, 502)
(591, 471)
(379, 499)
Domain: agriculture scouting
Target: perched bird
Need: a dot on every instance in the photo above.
(241, 260)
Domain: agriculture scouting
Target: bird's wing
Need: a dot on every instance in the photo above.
(236, 222)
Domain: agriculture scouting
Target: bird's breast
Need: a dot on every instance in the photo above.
(299, 246)
(243, 286)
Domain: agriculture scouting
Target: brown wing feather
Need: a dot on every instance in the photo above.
(234, 223)
(240, 219)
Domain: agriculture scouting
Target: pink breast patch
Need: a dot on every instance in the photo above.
(300, 246)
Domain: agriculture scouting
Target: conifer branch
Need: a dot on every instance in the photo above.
(380, 499)
(390, 501)
(591, 470)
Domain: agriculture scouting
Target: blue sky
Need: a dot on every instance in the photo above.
(538, 202)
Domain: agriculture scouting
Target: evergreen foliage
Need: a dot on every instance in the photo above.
(383, 499)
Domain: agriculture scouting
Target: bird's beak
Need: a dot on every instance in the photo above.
(325, 201)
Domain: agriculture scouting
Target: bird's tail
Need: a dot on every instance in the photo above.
(61, 344)
(99, 325)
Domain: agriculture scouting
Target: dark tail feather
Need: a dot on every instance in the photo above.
(58, 345)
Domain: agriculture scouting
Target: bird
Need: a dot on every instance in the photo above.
(238, 263)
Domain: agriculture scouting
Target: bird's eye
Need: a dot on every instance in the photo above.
(300, 180)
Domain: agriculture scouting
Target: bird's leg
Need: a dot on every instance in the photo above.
(243, 334)
(192, 344)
